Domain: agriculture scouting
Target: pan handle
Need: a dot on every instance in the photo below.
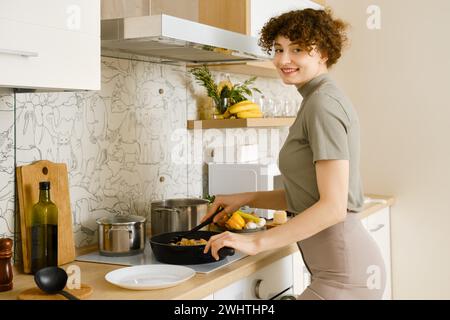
(226, 251)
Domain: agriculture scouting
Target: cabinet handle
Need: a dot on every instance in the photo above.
(257, 287)
(378, 227)
(19, 53)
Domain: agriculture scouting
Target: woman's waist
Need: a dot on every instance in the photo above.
(344, 253)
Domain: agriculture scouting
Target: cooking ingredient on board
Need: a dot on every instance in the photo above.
(236, 222)
(251, 225)
(279, 217)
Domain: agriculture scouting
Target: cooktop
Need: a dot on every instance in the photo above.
(147, 257)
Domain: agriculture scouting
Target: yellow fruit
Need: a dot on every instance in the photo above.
(226, 114)
(243, 102)
(236, 222)
(247, 216)
(249, 114)
(244, 107)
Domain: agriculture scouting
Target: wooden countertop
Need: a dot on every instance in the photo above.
(201, 285)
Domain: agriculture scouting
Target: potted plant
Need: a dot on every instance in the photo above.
(230, 100)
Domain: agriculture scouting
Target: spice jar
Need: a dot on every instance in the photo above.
(6, 273)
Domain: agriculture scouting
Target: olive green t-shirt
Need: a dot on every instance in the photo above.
(326, 127)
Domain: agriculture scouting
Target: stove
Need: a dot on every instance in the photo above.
(147, 257)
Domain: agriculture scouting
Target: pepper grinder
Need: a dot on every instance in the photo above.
(6, 273)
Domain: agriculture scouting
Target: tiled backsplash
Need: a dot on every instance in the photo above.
(124, 146)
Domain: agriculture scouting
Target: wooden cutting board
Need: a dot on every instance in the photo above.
(28, 178)
(37, 294)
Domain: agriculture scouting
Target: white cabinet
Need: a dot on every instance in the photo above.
(302, 277)
(267, 283)
(50, 44)
(378, 225)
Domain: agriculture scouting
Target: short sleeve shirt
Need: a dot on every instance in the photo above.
(326, 128)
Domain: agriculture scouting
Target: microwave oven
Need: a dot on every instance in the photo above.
(228, 178)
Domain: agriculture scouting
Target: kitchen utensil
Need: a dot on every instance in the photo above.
(201, 225)
(53, 280)
(28, 178)
(177, 214)
(166, 252)
(6, 272)
(37, 294)
(149, 277)
(121, 235)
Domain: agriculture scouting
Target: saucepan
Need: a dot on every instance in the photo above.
(172, 215)
(121, 235)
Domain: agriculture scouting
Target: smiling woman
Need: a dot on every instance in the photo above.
(306, 43)
(308, 29)
(319, 162)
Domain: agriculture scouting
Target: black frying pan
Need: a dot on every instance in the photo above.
(173, 254)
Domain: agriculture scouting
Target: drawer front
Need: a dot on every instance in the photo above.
(234, 291)
(271, 280)
(59, 58)
(263, 284)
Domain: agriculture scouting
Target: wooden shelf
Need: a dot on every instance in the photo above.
(260, 69)
(240, 123)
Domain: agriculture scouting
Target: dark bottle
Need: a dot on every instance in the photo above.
(44, 230)
(6, 273)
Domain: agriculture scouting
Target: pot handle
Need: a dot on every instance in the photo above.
(121, 228)
(166, 209)
(226, 251)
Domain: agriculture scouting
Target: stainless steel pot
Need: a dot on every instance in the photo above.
(121, 235)
(173, 215)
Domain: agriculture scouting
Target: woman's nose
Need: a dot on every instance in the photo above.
(284, 58)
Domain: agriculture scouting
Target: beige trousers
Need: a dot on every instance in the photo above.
(344, 262)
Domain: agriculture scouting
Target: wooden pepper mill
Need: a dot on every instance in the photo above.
(6, 272)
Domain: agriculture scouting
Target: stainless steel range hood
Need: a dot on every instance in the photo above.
(174, 39)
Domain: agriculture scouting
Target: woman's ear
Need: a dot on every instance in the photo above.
(323, 58)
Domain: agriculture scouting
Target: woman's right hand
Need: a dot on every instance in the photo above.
(230, 203)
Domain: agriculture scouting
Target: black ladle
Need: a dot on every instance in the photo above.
(201, 225)
(53, 280)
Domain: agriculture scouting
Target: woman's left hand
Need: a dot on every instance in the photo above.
(248, 243)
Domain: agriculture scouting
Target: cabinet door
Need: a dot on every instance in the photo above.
(264, 284)
(234, 291)
(51, 44)
(378, 225)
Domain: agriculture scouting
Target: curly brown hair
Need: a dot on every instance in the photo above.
(307, 27)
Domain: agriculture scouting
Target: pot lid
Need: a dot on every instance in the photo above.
(121, 220)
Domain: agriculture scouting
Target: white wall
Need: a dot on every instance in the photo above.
(398, 78)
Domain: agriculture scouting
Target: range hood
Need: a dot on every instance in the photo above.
(174, 39)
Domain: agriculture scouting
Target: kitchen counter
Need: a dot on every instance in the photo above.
(200, 286)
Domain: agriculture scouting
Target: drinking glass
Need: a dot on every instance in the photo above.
(269, 106)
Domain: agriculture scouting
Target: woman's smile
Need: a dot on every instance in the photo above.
(289, 71)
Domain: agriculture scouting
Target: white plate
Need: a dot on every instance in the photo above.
(148, 277)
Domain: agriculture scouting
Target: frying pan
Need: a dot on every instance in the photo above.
(166, 252)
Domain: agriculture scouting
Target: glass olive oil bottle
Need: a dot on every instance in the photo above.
(44, 230)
